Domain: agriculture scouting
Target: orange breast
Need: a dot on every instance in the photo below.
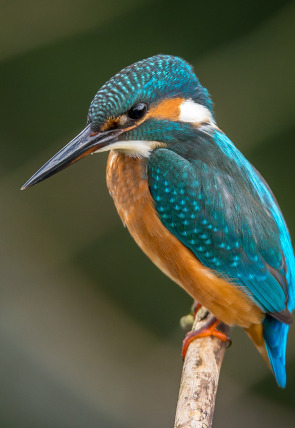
(127, 184)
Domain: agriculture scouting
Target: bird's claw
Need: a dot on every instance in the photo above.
(209, 329)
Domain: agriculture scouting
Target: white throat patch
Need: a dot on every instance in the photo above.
(194, 113)
(133, 148)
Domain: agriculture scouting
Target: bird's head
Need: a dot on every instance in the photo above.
(155, 102)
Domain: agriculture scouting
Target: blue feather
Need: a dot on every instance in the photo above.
(148, 80)
(275, 336)
(218, 205)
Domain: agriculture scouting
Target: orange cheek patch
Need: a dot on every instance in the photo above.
(167, 109)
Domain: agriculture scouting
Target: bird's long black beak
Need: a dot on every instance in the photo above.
(86, 142)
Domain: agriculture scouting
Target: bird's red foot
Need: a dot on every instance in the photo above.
(209, 329)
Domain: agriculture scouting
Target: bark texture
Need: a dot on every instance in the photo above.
(196, 401)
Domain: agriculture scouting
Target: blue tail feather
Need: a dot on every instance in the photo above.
(275, 335)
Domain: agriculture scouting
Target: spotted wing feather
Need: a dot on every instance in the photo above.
(227, 220)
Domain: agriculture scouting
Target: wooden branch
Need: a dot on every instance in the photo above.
(200, 374)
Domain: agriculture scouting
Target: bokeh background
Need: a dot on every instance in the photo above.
(89, 328)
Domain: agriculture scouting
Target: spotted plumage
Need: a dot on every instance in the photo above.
(150, 80)
(190, 199)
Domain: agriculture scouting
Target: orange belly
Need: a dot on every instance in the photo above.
(127, 184)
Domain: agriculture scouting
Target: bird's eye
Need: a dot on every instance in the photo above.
(137, 111)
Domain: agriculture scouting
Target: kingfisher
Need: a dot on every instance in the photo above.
(191, 201)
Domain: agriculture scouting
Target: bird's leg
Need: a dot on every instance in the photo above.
(195, 309)
(208, 329)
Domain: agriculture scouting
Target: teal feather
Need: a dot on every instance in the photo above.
(212, 199)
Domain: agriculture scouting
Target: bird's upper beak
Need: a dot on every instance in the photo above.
(86, 142)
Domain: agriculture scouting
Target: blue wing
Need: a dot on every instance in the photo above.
(211, 198)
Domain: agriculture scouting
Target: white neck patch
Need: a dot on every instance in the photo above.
(133, 148)
(194, 113)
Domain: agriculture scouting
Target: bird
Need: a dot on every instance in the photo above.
(190, 199)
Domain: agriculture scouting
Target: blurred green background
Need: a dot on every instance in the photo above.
(89, 328)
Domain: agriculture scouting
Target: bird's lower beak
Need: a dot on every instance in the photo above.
(86, 142)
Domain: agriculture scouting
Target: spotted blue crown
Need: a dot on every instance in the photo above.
(149, 81)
